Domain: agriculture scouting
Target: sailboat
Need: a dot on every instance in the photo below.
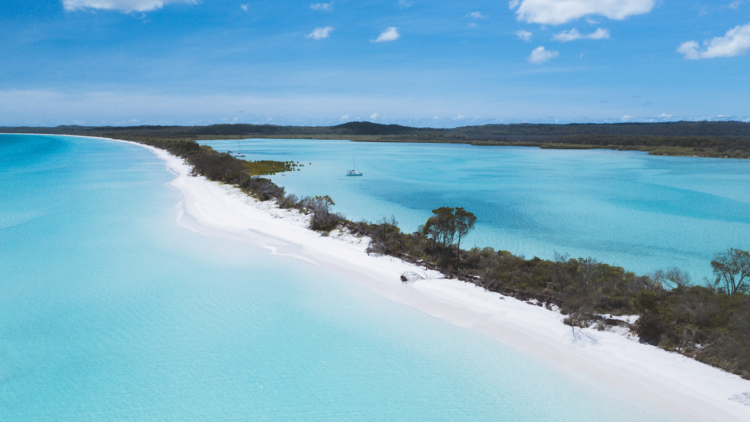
(355, 171)
(239, 151)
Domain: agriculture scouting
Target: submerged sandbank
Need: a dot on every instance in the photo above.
(671, 380)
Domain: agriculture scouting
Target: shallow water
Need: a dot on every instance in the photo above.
(109, 310)
(625, 208)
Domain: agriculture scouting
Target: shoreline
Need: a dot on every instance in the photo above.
(669, 380)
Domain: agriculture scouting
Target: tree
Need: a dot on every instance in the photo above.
(322, 217)
(673, 278)
(464, 222)
(444, 223)
(441, 227)
(558, 268)
(732, 269)
(588, 269)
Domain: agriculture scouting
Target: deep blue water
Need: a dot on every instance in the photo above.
(625, 208)
(109, 310)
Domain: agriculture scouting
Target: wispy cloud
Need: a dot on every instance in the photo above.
(477, 15)
(735, 4)
(541, 55)
(244, 7)
(403, 4)
(126, 6)
(565, 36)
(573, 35)
(556, 12)
(390, 34)
(374, 116)
(665, 116)
(524, 35)
(626, 117)
(323, 7)
(735, 42)
(345, 117)
(320, 33)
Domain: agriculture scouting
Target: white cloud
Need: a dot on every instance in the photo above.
(390, 34)
(556, 12)
(477, 15)
(665, 116)
(734, 5)
(735, 42)
(323, 7)
(524, 35)
(244, 7)
(403, 4)
(540, 55)
(374, 116)
(626, 117)
(344, 117)
(320, 33)
(573, 35)
(126, 6)
(565, 36)
(599, 34)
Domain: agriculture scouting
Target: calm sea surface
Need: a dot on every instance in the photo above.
(625, 208)
(111, 311)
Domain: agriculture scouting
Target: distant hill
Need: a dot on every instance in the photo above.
(368, 128)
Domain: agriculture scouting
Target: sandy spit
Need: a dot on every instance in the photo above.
(612, 359)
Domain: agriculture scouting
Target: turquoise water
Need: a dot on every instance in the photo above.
(109, 310)
(625, 208)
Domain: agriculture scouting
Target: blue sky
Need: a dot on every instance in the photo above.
(416, 62)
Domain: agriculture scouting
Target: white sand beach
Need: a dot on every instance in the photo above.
(682, 385)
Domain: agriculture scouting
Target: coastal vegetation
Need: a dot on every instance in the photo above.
(708, 322)
(219, 166)
(730, 139)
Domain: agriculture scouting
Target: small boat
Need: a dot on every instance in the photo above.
(239, 151)
(355, 171)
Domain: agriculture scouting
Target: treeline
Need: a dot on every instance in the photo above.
(706, 139)
(730, 147)
(239, 129)
(709, 323)
(724, 129)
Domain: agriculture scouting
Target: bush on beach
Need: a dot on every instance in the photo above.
(323, 219)
(291, 201)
